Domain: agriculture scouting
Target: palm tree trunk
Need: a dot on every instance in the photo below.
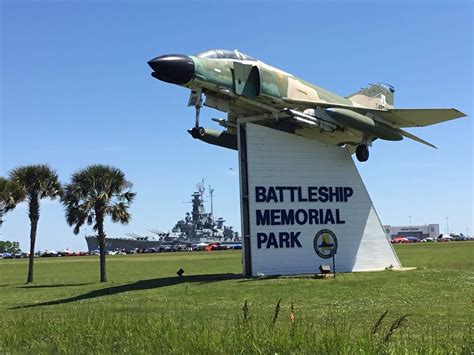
(101, 240)
(34, 217)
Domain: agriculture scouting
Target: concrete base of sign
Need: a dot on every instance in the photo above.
(301, 201)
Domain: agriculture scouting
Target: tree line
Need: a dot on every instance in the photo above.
(9, 247)
(94, 193)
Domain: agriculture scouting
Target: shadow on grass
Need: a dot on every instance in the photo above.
(58, 285)
(287, 277)
(136, 286)
(261, 278)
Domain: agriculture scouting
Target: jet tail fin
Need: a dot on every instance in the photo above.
(378, 96)
(415, 138)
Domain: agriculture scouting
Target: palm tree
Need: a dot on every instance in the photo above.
(36, 183)
(10, 195)
(94, 193)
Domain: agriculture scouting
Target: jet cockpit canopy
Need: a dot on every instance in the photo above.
(224, 54)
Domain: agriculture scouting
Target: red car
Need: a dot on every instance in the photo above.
(397, 240)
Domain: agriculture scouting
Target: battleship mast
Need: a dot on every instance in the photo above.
(197, 201)
(211, 191)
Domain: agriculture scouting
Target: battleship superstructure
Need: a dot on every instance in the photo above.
(198, 226)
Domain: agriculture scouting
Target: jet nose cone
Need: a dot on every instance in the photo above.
(173, 68)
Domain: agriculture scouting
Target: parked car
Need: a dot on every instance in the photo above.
(397, 240)
(445, 238)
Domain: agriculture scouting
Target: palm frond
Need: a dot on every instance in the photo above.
(37, 180)
(11, 194)
(97, 189)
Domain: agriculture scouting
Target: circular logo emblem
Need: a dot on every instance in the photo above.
(325, 243)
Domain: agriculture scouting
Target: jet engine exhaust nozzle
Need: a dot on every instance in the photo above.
(173, 68)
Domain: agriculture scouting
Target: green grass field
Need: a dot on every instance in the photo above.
(146, 308)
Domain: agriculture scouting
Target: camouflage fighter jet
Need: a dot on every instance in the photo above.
(249, 90)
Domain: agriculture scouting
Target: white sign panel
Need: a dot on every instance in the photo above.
(306, 200)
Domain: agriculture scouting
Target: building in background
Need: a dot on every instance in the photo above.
(420, 232)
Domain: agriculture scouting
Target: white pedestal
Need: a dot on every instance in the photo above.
(299, 195)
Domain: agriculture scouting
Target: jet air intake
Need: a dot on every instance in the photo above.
(364, 124)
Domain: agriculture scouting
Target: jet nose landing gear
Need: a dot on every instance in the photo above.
(196, 100)
(362, 152)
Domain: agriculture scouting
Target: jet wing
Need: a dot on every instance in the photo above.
(419, 117)
(314, 104)
(409, 117)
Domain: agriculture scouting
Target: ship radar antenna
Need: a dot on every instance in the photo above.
(200, 186)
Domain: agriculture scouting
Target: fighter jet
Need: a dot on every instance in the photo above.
(249, 90)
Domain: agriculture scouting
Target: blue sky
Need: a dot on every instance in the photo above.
(76, 90)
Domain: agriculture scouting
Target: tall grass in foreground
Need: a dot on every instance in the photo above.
(105, 332)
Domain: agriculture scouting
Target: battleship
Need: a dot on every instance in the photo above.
(196, 229)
